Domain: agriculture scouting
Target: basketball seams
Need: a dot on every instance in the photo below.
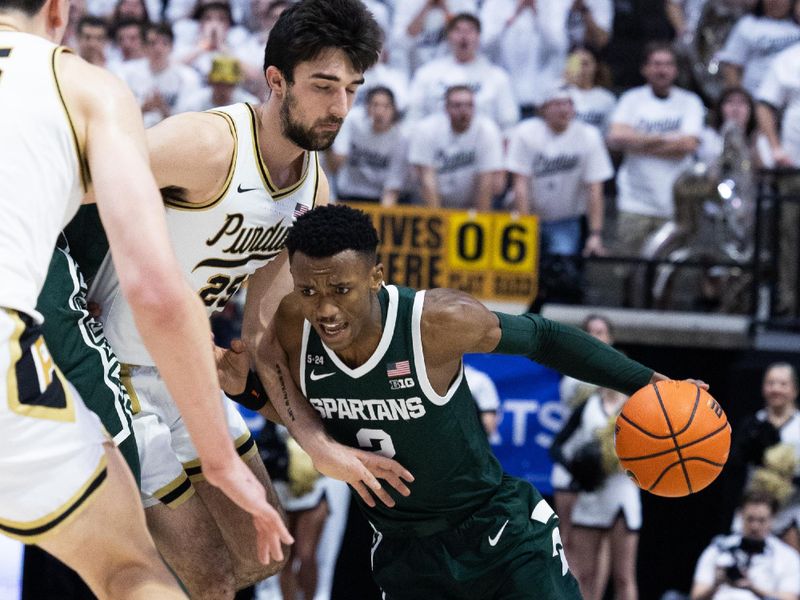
(682, 446)
(680, 462)
(674, 440)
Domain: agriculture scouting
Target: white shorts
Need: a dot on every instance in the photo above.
(307, 501)
(560, 478)
(52, 459)
(168, 458)
(600, 509)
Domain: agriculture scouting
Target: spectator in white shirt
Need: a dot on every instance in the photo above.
(157, 81)
(752, 565)
(370, 154)
(128, 35)
(223, 88)
(588, 78)
(559, 165)
(457, 155)
(755, 40)
(464, 66)
(419, 28)
(657, 126)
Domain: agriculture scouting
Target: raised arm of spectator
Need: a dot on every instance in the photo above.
(768, 125)
(676, 17)
(597, 35)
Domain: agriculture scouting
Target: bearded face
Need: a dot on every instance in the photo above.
(317, 136)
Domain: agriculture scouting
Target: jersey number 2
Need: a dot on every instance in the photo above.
(376, 440)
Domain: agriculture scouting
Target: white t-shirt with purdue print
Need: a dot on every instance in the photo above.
(560, 165)
(644, 181)
(780, 88)
(458, 158)
(752, 44)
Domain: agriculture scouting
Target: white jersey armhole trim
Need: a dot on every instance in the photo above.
(419, 357)
(303, 350)
(383, 345)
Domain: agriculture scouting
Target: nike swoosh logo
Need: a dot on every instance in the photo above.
(315, 377)
(493, 540)
(242, 190)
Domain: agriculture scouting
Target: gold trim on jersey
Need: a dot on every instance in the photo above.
(245, 446)
(83, 165)
(176, 492)
(275, 192)
(30, 532)
(182, 205)
(45, 369)
(316, 181)
(127, 383)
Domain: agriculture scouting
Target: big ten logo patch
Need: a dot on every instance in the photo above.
(402, 383)
(315, 359)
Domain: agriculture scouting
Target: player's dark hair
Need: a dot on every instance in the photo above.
(27, 7)
(330, 229)
(307, 28)
(466, 17)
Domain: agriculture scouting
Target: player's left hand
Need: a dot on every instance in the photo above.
(362, 469)
(233, 365)
(659, 377)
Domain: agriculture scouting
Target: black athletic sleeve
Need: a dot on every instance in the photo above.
(570, 351)
(254, 395)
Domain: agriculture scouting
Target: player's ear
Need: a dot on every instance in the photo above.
(57, 12)
(276, 81)
(376, 277)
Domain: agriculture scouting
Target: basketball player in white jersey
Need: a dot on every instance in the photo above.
(67, 127)
(233, 181)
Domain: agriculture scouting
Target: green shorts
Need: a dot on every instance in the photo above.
(79, 347)
(508, 549)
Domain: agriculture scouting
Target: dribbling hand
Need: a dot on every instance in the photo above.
(239, 484)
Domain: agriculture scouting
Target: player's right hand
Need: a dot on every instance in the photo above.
(361, 469)
(239, 484)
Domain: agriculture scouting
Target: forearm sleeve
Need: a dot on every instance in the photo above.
(570, 351)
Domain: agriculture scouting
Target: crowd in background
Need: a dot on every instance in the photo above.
(574, 111)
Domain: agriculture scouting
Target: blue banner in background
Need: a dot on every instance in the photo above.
(529, 417)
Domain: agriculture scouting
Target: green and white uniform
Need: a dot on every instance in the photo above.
(467, 530)
(76, 339)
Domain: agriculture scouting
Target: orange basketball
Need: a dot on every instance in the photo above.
(672, 438)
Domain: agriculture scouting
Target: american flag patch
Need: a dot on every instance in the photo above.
(300, 209)
(397, 369)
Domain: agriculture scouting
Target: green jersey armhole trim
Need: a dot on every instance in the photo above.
(83, 166)
(181, 205)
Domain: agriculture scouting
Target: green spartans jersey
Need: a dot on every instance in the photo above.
(388, 405)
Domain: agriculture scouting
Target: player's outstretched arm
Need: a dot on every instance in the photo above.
(169, 317)
(455, 323)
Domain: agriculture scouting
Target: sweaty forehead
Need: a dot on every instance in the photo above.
(344, 265)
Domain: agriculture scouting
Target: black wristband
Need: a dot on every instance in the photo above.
(254, 395)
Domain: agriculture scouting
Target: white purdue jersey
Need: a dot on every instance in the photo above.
(221, 242)
(42, 174)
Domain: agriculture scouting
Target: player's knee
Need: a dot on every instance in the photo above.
(250, 572)
(134, 579)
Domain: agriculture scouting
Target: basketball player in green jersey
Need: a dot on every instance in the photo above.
(383, 368)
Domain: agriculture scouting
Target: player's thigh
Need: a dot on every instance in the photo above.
(235, 524)
(191, 543)
(110, 533)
